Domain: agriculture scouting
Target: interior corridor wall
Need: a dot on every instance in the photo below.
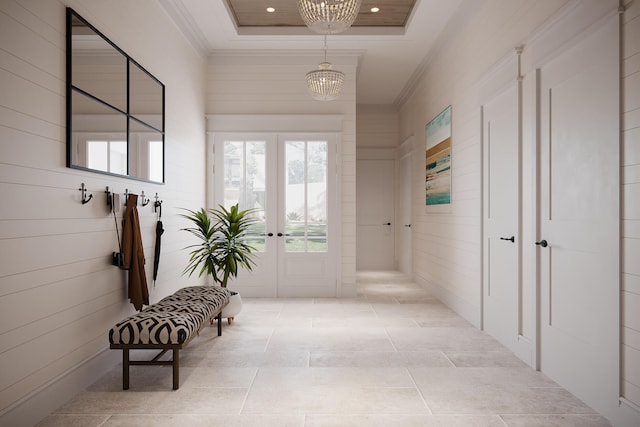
(377, 127)
(630, 298)
(448, 251)
(270, 83)
(447, 246)
(59, 294)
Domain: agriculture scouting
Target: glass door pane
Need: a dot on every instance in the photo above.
(245, 183)
(305, 196)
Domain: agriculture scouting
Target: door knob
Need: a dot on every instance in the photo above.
(542, 243)
(279, 234)
(407, 225)
(512, 239)
(387, 223)
(270, 234)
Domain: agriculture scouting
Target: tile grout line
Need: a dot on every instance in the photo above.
(395, 349)
(266, 346)
(246, 396)
(448, 359)
(419, 391)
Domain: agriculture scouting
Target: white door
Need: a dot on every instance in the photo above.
(245, 173)
(405, 251)
(374, 214)
(291, 181)
(579, 218)
(501, 179)
(307, 245)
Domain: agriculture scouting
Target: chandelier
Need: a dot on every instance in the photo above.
(328, 16)
(325, 83)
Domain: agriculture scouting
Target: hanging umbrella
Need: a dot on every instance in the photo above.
(159, 231)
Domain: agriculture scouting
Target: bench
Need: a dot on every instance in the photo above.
(168, 325)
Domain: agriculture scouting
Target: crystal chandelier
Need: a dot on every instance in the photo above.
(325, 83)
(328, 16)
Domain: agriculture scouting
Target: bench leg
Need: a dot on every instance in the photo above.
(176, 368)
(125, 369)
(220, 323)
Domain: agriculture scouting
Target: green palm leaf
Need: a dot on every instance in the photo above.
(222, 249)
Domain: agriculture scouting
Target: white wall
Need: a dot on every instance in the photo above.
(447, 256)
(273, 83)
(447, 247)
(631, 202)
(59, 295)
(376, 127)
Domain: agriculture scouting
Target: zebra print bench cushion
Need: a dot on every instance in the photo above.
(155, 328)
(215, 295)
(203, 311)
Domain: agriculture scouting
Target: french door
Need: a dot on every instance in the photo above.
(290, 181)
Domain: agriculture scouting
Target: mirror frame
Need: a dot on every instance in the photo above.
(127, 114)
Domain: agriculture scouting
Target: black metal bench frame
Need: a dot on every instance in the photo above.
(164, 348)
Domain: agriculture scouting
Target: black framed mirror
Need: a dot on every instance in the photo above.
(115, 108)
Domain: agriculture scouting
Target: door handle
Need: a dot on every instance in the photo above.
(407, 225)
(270, 234)
(542, 243)
(279, 234)
(512, 239)
(387, 223)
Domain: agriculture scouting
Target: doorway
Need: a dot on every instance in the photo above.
(375, 209)
(290, 180)
(579, 216)
(404, 245)
(501, 216)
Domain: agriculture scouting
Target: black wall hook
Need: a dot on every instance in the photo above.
(109, 200)
(157, 204)
(83, 190)
(145, 201)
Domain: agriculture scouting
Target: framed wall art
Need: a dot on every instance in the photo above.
(438, 161)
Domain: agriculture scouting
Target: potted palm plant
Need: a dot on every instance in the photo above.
(222, 249)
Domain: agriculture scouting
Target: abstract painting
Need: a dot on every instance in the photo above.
(438, 159)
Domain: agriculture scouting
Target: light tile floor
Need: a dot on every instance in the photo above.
(393, 356)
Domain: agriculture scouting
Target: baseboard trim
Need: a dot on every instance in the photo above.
(32, 408)
(468, 311)
(349, 290)
(628, 414)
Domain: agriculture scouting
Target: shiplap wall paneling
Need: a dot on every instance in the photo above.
(631, 202)
(59, 295)
(376, 128)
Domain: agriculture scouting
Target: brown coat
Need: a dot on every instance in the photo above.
(133, 254)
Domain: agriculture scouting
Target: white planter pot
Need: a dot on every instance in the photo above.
(234, 307)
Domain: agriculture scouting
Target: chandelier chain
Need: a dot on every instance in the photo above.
(327, 17)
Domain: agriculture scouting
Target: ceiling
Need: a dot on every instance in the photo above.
(251, 13)
(392, 45)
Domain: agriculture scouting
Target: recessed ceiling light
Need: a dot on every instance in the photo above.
(271, 9)
(375, 9)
